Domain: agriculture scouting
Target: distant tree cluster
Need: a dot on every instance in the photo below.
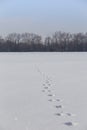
(58, 42)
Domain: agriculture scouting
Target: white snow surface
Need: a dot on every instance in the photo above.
(43, 91)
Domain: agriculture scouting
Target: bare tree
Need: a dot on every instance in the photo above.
(13, 37)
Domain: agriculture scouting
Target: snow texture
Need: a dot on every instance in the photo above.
(43, 91)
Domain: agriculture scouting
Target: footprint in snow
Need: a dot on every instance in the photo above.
(51, 100)
(43, 91)
(59, 114)
(51, 95)
(49, 84)
(54, 100)
(58, 100)
(69, 114)
(59, 106)
(45, 87)
(49, 90)
(70, 124)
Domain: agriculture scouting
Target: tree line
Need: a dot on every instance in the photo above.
(30, 42)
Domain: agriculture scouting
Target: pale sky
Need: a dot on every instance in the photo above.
(42, 16)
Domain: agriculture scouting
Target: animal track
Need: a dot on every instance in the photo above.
(68, 123)
(59, 114)
(47, 89)
(60, 106)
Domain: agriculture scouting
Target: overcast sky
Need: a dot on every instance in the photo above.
(43, 16)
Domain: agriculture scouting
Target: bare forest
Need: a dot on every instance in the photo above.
(30, 42)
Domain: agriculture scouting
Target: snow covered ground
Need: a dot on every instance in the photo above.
(43, 91)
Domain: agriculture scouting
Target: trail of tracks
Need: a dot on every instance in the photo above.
(53, 98)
